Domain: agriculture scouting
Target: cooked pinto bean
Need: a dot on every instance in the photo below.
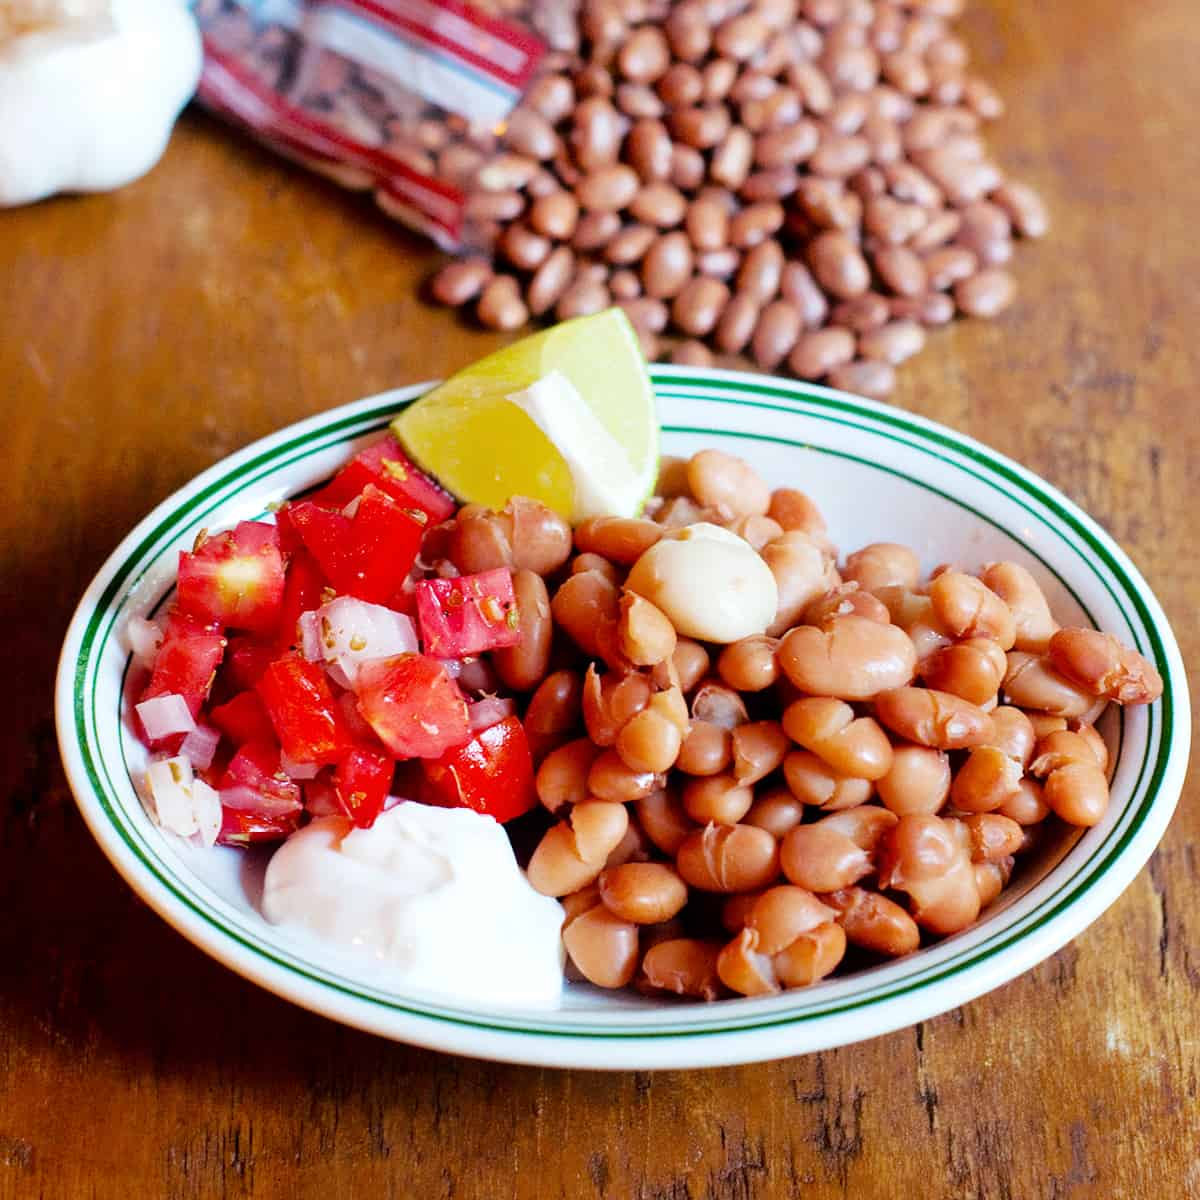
(750, 665)
(611, 779)
(759, 748)
(603, 947)
(932, 718)
(1033, 682)
(645, 893)
(968, 608)
(1027, 602)
(719, 798)
(661, 815)
(1104, 666)
(803, 569)
(619, 539)
(874, 922)
(852, 745)
(562, 778)
(776, 810)
(728, 858)
(918, 782)
(972, 669)
(685, 966)
(723, 480)
(610, 701)
(814, 782)
(822, 859)
(882, 564)
(985, 781)
(852, 658)
(572, 853)
(523, 666)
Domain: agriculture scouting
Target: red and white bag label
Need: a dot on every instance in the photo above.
(401, 97)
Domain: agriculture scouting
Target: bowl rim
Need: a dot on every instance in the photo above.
(736, 1030)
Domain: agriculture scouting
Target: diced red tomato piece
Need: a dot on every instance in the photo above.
(306, 717)
(368, 555)
(235, 577)
(492, 773)
(289, 538)
(362, 781)
(326, 535)
(254, 782)
(187, 661)
(302, 588)
(243, 719)
(245, 828)
(246, 658)
(413, 705)
(467, 615)
(387, 540)
(386, 466)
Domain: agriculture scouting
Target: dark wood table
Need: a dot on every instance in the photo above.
(146, 334)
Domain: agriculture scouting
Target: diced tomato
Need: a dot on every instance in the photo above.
(243, 719)
(387, 539)
(187, 661)
(362, 781)
(368, 555)
(235, 577)
(246, 658)
(492, 773)
(386, 466)
(289, 538)
(326, 535)
(467, 615)
(302, 588)
(255, 783)
(413, 705)
(306, 717)
(246, 828)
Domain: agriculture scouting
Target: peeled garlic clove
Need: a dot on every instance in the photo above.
(711, 583)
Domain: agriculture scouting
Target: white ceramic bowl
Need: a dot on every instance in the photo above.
(878, 474)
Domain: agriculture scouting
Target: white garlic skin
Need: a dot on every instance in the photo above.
(88, 105)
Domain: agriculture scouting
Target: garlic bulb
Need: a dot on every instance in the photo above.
(89, 91)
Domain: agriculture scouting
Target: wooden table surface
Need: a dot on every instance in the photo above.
(146, 334)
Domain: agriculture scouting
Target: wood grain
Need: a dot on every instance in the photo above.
(146, 334)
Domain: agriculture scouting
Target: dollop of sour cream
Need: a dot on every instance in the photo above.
(431, 896)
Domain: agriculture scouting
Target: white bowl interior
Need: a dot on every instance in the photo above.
(877, 476)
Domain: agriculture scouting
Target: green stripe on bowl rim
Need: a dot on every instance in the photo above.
(319, 434)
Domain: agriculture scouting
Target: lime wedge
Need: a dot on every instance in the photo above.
(583, 441)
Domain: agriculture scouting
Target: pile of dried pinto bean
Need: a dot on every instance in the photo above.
(863, 767)
(800, 180)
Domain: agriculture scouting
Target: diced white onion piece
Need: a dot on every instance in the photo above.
(165, 715)
(297, 770)
(242, 798)
(490, 711)
(310, 636)
(355, 722)
(171, 805)
(144, 639)
(335, 672)
(453, 666)
(353, 632)
(320, 799)
(200, 746)
(351, 509)
(206, 804)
